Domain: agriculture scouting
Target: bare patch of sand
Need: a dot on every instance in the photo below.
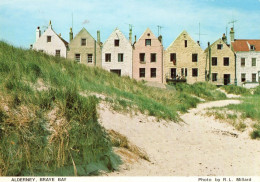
(198, 146)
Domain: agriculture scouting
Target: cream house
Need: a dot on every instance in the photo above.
(222, 63)
(50, 43)
(117, 54)
(84, 48)
(184, 60)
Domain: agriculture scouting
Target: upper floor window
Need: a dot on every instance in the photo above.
(194, 57)
(148, 42)
(48, 38)
(214, 61)
(253, 61)
(226, 62)
(108, 57)
(173, 58)
(185, 43)
(220, 46)
(142, 57)
(116, 42)
(120, 57)
(153, 57)
(83, 42)
(243, 62)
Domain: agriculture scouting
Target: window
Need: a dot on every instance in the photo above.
(243, 62)
(147, 42)
(153, 57)
(252, 47)
(173, 58)
(173, 72)
(83, 42)
(182, 72)
(243, 77)
(141, 72)
(90, 58)
(219, 46)
(48, 38)
(116, 43)
(120, 57)
(226, 62)
(253, 61)
(254, 77)
(185, 43)
(108, 57)
(153, 72)
(186, 72)
(214, 77)
(77, 57)
(57, 53)
(214, 61)
(194, 72)
(194, 57)
(142, 57)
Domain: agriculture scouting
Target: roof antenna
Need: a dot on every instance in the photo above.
(72, 20)
(159, 29)
(200, 33)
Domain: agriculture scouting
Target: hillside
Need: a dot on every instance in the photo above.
(48, 116)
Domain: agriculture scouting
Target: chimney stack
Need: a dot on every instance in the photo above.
(160, 38)
(98, 37)
(71, 34)
(232, 35)
(224, 38)
(198, 42)
(38, 33)
(50, 24)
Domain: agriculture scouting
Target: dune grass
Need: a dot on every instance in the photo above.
(232, 89)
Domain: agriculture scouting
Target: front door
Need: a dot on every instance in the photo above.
(118, 72)
(226, 79)
(173, 73)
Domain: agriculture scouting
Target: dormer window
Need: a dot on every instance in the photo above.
(252, 47)
(48, 38)
(220, 46)
(116, 43)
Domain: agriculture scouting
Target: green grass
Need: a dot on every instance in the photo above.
(203, 90)
(232, 89)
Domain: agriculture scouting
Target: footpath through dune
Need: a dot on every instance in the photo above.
(198, 146)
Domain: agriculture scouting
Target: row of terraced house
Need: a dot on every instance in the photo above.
(145, 59)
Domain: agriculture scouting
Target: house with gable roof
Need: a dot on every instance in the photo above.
(84, 48)
(117, 54)
(50, 42)
(184, 60)
(222, 62)
(148, 58)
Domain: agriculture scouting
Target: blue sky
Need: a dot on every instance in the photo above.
(19, 18)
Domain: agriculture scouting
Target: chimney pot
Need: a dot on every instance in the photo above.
(38, 33)
(98, 37)
(71, 34)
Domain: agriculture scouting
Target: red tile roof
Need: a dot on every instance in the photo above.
(244, 44)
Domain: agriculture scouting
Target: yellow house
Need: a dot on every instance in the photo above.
(184, 60)
(222, 63)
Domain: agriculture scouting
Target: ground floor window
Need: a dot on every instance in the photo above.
(243, 77)
(120, 57)
(254, 77)
(90, 58)
(194, 72)
(118, 72)
(107, 57)
(153, 72)
(57, 53)
(77, 57)
(214, 77)
(141, 72)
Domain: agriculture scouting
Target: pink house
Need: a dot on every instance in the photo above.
(148, 58)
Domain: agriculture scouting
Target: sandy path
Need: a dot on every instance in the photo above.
(200, 146)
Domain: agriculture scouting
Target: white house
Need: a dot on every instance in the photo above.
(247, 62)
(50, 43)
(117, 54)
